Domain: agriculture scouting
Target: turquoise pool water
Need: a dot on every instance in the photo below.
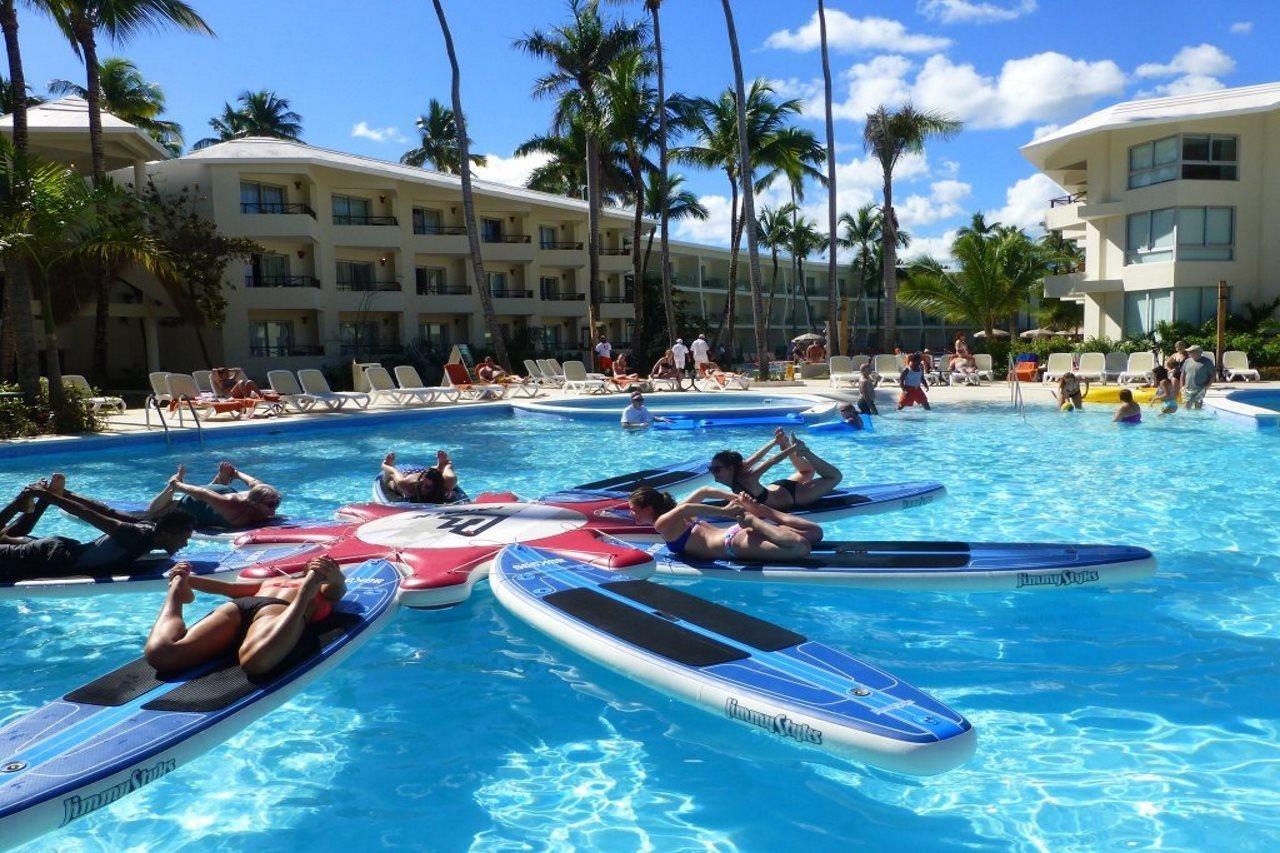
(607, 408)
(1138, 716)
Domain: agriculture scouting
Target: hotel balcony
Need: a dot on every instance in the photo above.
(508, 247)
(563, 253)
(1074, 285)
(265, 219)
(448, 298)
(251, 280)
(364, 286)
(513, 301)
(441, 240)
(615, 260)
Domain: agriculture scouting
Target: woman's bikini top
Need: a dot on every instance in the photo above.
(739, 487)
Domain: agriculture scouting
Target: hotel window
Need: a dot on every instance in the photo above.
(273, 337)
(261, 198)
(434, 334)
(349, 210)
(430, 280)
(1195, 305)
(269, 269)
(1143, 309)
(497, 283)
(355, 275)
(1153, 162)
(1209, 157)
(1149, 237)
(549, 287)
(1206, 233)
(357, 337)
(491, 230)
(427, 221)
(547, 236)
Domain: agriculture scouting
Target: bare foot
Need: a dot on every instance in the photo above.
(178, 584)
(749, 505)
(442, 458)
(780, 438)
(57, 483)
(178, 477)
(226, 470)
(389, 459)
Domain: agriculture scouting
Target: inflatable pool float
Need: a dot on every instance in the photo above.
(750, 671)
(677, 422)
(134, 726)
(945, 566)
(841, 426)
(1111, 394)
(218, 534)
(678, 478)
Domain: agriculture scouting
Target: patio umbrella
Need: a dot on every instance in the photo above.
(1032, 334)
(996, 333)
(806, 337)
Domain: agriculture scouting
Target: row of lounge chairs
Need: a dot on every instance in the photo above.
(885, 369)
(1136, 367)
(572, 376)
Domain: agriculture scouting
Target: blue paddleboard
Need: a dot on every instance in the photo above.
(139, 509)
(678, 422)
(841, 426)
(750, 671)
(133, 726)
(678, 477)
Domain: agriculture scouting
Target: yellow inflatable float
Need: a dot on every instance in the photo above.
(1111, 394)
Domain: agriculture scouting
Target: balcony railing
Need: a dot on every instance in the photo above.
(255, 207)
(561, 244)
(625, 299)
(1067, 200)
(251, 280)
(444, 289)
(367, 286)
(439, 230)
(617, 252)
(284, 350)
(511, 294)
(507, 238)
(371, 348)
(563, 296)
(354, 219)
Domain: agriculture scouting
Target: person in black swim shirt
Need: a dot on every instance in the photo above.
(814, 477)
(435, 485)
(125, 539)
(260, 625)
(219, 504)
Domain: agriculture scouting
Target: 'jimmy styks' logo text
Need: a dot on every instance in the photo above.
(778, 724)
(76, 806)
(1063, 578)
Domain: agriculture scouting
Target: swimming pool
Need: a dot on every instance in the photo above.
(608, 408)
(1135, 716)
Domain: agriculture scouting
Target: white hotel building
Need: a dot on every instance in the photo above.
(363, 256)
(1168, 197)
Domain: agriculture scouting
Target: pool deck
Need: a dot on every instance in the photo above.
(131, 426)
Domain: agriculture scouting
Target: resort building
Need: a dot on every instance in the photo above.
(1167, 197)
(363, 257)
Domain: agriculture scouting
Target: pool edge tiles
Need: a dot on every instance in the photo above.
(232, 431)
(1235, 407)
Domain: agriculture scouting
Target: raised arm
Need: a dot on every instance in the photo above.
(89, 512)
(774, 460)
(238, 589)
(705, 493)
(750, 462)
(220, 502)
(101, 508)
(247, 479)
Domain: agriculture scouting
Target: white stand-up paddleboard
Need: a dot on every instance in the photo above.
(729, 663)
(133, 726)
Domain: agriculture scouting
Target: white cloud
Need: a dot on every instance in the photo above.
(1026, 201)
(511, 171)
(1242, 28)
(1044, 130)
(943, 202)
(971, 12)
(362, 130)
(1195, 69)
(848, 34)
(714, 229)
(937, 247)
(870, 84)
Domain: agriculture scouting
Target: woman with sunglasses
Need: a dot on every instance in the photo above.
(759, 532)
(814, 478)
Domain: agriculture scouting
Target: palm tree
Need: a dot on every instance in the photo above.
(774, 228)
(581, 54)
(439, 142)
(989, 282)
(127, 95)
(675, 204)
(805, 239)
(632, 110)
(861, 234)
(978, 225)
(8, 96)
(261, 113)
(468, 199)
(565, 173)
(840, 345)
(664, 172)
(14, 196)
(888, 134)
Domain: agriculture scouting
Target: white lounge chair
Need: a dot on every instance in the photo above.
(204, 380)
(886, 367)
(532, 368)
(858, 361)
(1093, 366)
(1059, 363)
(1139, 369)
(186, 397)
(1115, 365)
(382, 387)
(284, 383)
(723, 380)
(80, 386)
(576, 379)
(841, 371)
(552, 370)
(986, 368)
(159, 388)
(314, 383)
(1235, 365)
(408, 378)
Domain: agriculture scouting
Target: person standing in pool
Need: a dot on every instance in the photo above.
(814, 478)
(1197, 376)
(867, 391)
(759, 532)
(913, 384)
(219, 504)
(1165, 395)
(1069, 396)
(124, 540)
(637, 415)
(1129, 412)
(261, 624)
(850, 415)
(435, 485)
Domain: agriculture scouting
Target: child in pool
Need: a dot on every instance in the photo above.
(1129, 411)
(1069, 395)
(1165, 394)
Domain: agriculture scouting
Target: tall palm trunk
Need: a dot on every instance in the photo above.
(889, 272)
(593, 237)
(837, 346)
(639, 332)
(748, 195)
(468, 200)
(727, 317)
(17, 284)
(89, 50)
(53, 362)
(773, 288)
(664, 247)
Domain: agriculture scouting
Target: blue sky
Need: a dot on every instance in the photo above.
(360, 72)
